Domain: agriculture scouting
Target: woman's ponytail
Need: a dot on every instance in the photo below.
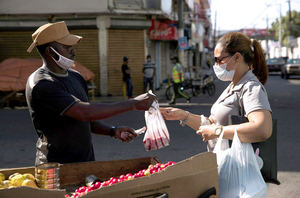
(259, 66)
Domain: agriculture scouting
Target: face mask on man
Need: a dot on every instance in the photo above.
(62, 61)
(222, 73)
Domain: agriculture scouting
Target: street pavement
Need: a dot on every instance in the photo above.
(17, 135)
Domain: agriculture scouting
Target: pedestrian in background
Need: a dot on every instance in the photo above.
(149, 73)
(178, 78)
(126, 77)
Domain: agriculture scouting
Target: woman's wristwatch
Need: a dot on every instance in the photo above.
(218, 130)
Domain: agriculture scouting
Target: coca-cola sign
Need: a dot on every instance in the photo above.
(163, 30)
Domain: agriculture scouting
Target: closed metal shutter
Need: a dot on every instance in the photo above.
(13, 44)
(128, 43)
(87, 53)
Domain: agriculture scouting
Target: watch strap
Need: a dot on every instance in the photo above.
(112, 131)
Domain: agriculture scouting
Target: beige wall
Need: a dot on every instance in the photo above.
(52, 6)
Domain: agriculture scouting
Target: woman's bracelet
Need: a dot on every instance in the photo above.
(182, 122)
(204, 121)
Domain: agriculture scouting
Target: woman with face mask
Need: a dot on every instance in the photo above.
(241, 61)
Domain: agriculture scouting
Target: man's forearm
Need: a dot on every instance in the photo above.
(98, 127)
(84, 111)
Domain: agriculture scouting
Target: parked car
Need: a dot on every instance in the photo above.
(275, 64)
(292, 67)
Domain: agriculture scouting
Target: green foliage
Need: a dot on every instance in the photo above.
(291, 28)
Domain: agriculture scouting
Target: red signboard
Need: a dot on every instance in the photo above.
(163, 30)
(255, 32)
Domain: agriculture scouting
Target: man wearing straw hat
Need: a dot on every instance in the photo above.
(58, 102)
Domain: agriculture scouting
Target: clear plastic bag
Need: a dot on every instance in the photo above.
(157, 134)
(238, 170)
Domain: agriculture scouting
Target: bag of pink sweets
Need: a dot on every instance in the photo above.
(157, 134)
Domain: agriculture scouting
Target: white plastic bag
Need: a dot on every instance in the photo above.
(157, 135)
(239, 174)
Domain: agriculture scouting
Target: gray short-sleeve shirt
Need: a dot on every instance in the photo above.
(248, 92)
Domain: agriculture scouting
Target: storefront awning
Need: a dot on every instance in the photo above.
(14, 72)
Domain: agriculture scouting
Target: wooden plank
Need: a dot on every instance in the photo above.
(76, 173)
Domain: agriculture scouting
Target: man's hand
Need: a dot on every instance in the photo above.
(144, 101)
(125, 134)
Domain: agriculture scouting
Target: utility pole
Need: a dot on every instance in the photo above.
(289, 29)
(180, 29)
(280, 30)
(290, 15)
(267, 38)
(215, 30)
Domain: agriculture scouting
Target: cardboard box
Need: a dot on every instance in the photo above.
(188, 178)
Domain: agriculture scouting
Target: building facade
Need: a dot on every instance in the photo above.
(111, 29)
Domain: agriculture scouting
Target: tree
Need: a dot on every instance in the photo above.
(289, 28)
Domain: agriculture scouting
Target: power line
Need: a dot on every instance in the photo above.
(254, 22)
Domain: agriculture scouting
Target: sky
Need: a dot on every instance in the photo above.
(238, 14)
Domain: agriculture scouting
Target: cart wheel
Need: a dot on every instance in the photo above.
(197, 91)
(165, 195)
(208, 193)
(188, 92)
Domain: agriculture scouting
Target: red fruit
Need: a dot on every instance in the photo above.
(111, 183)
(75, 195)
(81, 189)
(120, 180)
(129, 174)
(89, 190)
(111, 178)
(122, 177)
(146, 173)
(138, 175)
(103, 184)
(171, 163)
(97, 185)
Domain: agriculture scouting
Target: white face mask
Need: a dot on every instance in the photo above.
(62, 61)
(222, 73)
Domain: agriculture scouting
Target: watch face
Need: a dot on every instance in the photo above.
(218, 131)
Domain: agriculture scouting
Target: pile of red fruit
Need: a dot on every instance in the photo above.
(150, 170)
